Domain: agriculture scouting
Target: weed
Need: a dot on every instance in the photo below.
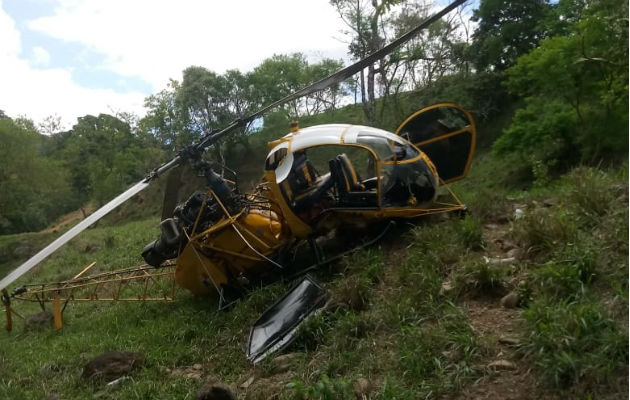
(540, 170)
(544, 229)
(368, 263)
(574, 341)
(353, 292)
(482, 278)
(569, 273)
(437, 355)
(324, 389)
(313, 331)
(470, 232)
(589, 190)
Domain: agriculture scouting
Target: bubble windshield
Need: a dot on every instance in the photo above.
(387, 148)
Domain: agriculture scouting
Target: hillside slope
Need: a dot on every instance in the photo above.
(527, 297)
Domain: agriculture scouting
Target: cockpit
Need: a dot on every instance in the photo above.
(349, 167)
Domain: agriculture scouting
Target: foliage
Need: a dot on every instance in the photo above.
(507, 29)
(34, 187)
(324, 389)
(576, 90)
(470, 232)
(574, 341)
(104, 156)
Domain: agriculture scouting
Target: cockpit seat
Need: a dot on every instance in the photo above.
(347, 182)
(304, 186)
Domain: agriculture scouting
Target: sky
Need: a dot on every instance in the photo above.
(69, 58)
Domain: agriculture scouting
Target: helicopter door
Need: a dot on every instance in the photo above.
(446, 133)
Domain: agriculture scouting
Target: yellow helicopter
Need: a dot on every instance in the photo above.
(316, 180)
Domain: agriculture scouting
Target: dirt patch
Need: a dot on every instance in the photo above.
(77, 215)
(506, 385)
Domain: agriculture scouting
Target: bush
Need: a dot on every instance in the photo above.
(545, 229)
(576, 91)
(470, 232)
(574, 341)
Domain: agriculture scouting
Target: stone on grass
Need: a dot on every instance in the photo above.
(215, 391)
(515, 253)
(362, 388)
(447, 287)
(509, 341)
(112, 365)
(284, 362)
(510, 300)
(39, 321)
(502, 365)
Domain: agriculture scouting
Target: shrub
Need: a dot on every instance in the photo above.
(470, 232)
(574, 341)
(545, 229)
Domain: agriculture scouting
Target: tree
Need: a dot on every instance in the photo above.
(104, 156)
(34, 189)
(365, 21)
(50, 125)
(576, 91)
(506, 30)
(164, 121)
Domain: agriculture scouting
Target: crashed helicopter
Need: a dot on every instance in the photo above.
(316, 180)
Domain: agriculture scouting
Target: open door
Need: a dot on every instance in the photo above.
(446, 133)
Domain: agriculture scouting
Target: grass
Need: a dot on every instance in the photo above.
(391, 323)
(575, 335)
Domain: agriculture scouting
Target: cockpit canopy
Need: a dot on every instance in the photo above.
(350, 166)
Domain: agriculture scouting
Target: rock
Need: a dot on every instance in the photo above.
(446, 288)
(515, 253)
(90, 248)
(550, 202)
(248, 382)
(112, 365)
(284, 362)
(507, 245)
(453, 355)
(117, 382)
(362, 388)
(192, 372)
(498, 261)
(215, 391)
(39, 321)
(510, 300)
(502, 365)
(53, 396)
(510, 341)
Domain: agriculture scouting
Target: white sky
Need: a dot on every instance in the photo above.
(74, 57)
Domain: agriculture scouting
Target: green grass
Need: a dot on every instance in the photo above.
(579, 281)
(391, 323)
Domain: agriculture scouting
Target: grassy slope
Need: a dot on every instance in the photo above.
(412, 315)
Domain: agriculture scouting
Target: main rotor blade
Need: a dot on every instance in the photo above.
(335, 78)
(75, 230)
(211, 138)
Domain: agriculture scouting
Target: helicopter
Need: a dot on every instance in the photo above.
(223, 240)
(316, 180)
